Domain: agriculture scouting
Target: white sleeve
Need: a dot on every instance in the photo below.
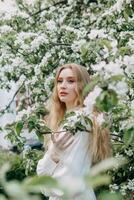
(73, 166)
(46, 165)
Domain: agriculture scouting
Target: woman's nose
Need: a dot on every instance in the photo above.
(63, 85)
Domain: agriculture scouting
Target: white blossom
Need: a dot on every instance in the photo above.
(5, 29)
(128, 1)
(123, 189)
(113, 187)
(47, 84)
(41, 39)
(90, 100)
(30, 2)
(121, 87)
(129, 152)
(120, 21)
(130, 184)
(100, 119)
(77, 45)
(7, 68)
(62, 61)
(69, 28)
(25, 35)
(18, 62)
(94, 33)
(129, 62)
(132, 107)
(22, 78)
(51, 25)
(118, 6)
(99, 66)
(131, 43)
(70, 2)
(114, 43)
(81, 33)
(37, 70)
(45, 59)
(23, 112)
(127, 124)
(113, 68)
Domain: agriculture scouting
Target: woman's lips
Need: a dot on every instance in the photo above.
(63, 93)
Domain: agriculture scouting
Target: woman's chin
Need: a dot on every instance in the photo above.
(63, 99)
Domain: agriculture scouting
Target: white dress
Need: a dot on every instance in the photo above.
(75, 162)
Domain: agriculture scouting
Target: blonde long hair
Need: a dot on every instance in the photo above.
(100, 144)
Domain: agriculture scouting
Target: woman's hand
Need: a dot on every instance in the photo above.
(60, 142)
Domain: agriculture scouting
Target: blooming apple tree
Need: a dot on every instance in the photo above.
(37, 36)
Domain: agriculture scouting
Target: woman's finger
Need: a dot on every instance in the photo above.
(64, 137)
(68, 144)
(53, 138)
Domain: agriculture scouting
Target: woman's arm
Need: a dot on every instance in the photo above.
(47, 164)
(51, 158)
(74, 166)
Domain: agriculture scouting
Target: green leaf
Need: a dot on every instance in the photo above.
(31, 122)
(124, 51)
(79, 126)
(43, 129)
(128, 137)
(41, 110)
(15, 190)
(107, 100)
(3, 170)
(84, 49)
(37, 182)
(89, 87)
(131, 83)
(19, 127)
(88, 121)
(110, 196)
(116, 78)
(98, 180)
(70, 114)
(105, 42)
(125, 15)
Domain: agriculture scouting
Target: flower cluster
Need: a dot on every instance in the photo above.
(76, 121)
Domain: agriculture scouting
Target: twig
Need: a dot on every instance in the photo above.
(117, 141)
(15, 50)
(62, 44)
(51, 132)
(115, 135)
(47, 8)
(9, 104)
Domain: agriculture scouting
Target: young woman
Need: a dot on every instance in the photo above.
(71, 156)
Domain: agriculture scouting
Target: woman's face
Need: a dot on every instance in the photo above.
(67, 87)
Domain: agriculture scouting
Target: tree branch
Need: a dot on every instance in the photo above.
(115, 135)
(47, 8)
(9, 104)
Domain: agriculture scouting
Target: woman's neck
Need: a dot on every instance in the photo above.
(73, 108)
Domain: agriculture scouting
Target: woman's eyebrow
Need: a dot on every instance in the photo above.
(71, 77)
(67, 77)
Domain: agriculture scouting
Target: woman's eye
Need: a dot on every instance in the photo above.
(59, 81)
(71, 81)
